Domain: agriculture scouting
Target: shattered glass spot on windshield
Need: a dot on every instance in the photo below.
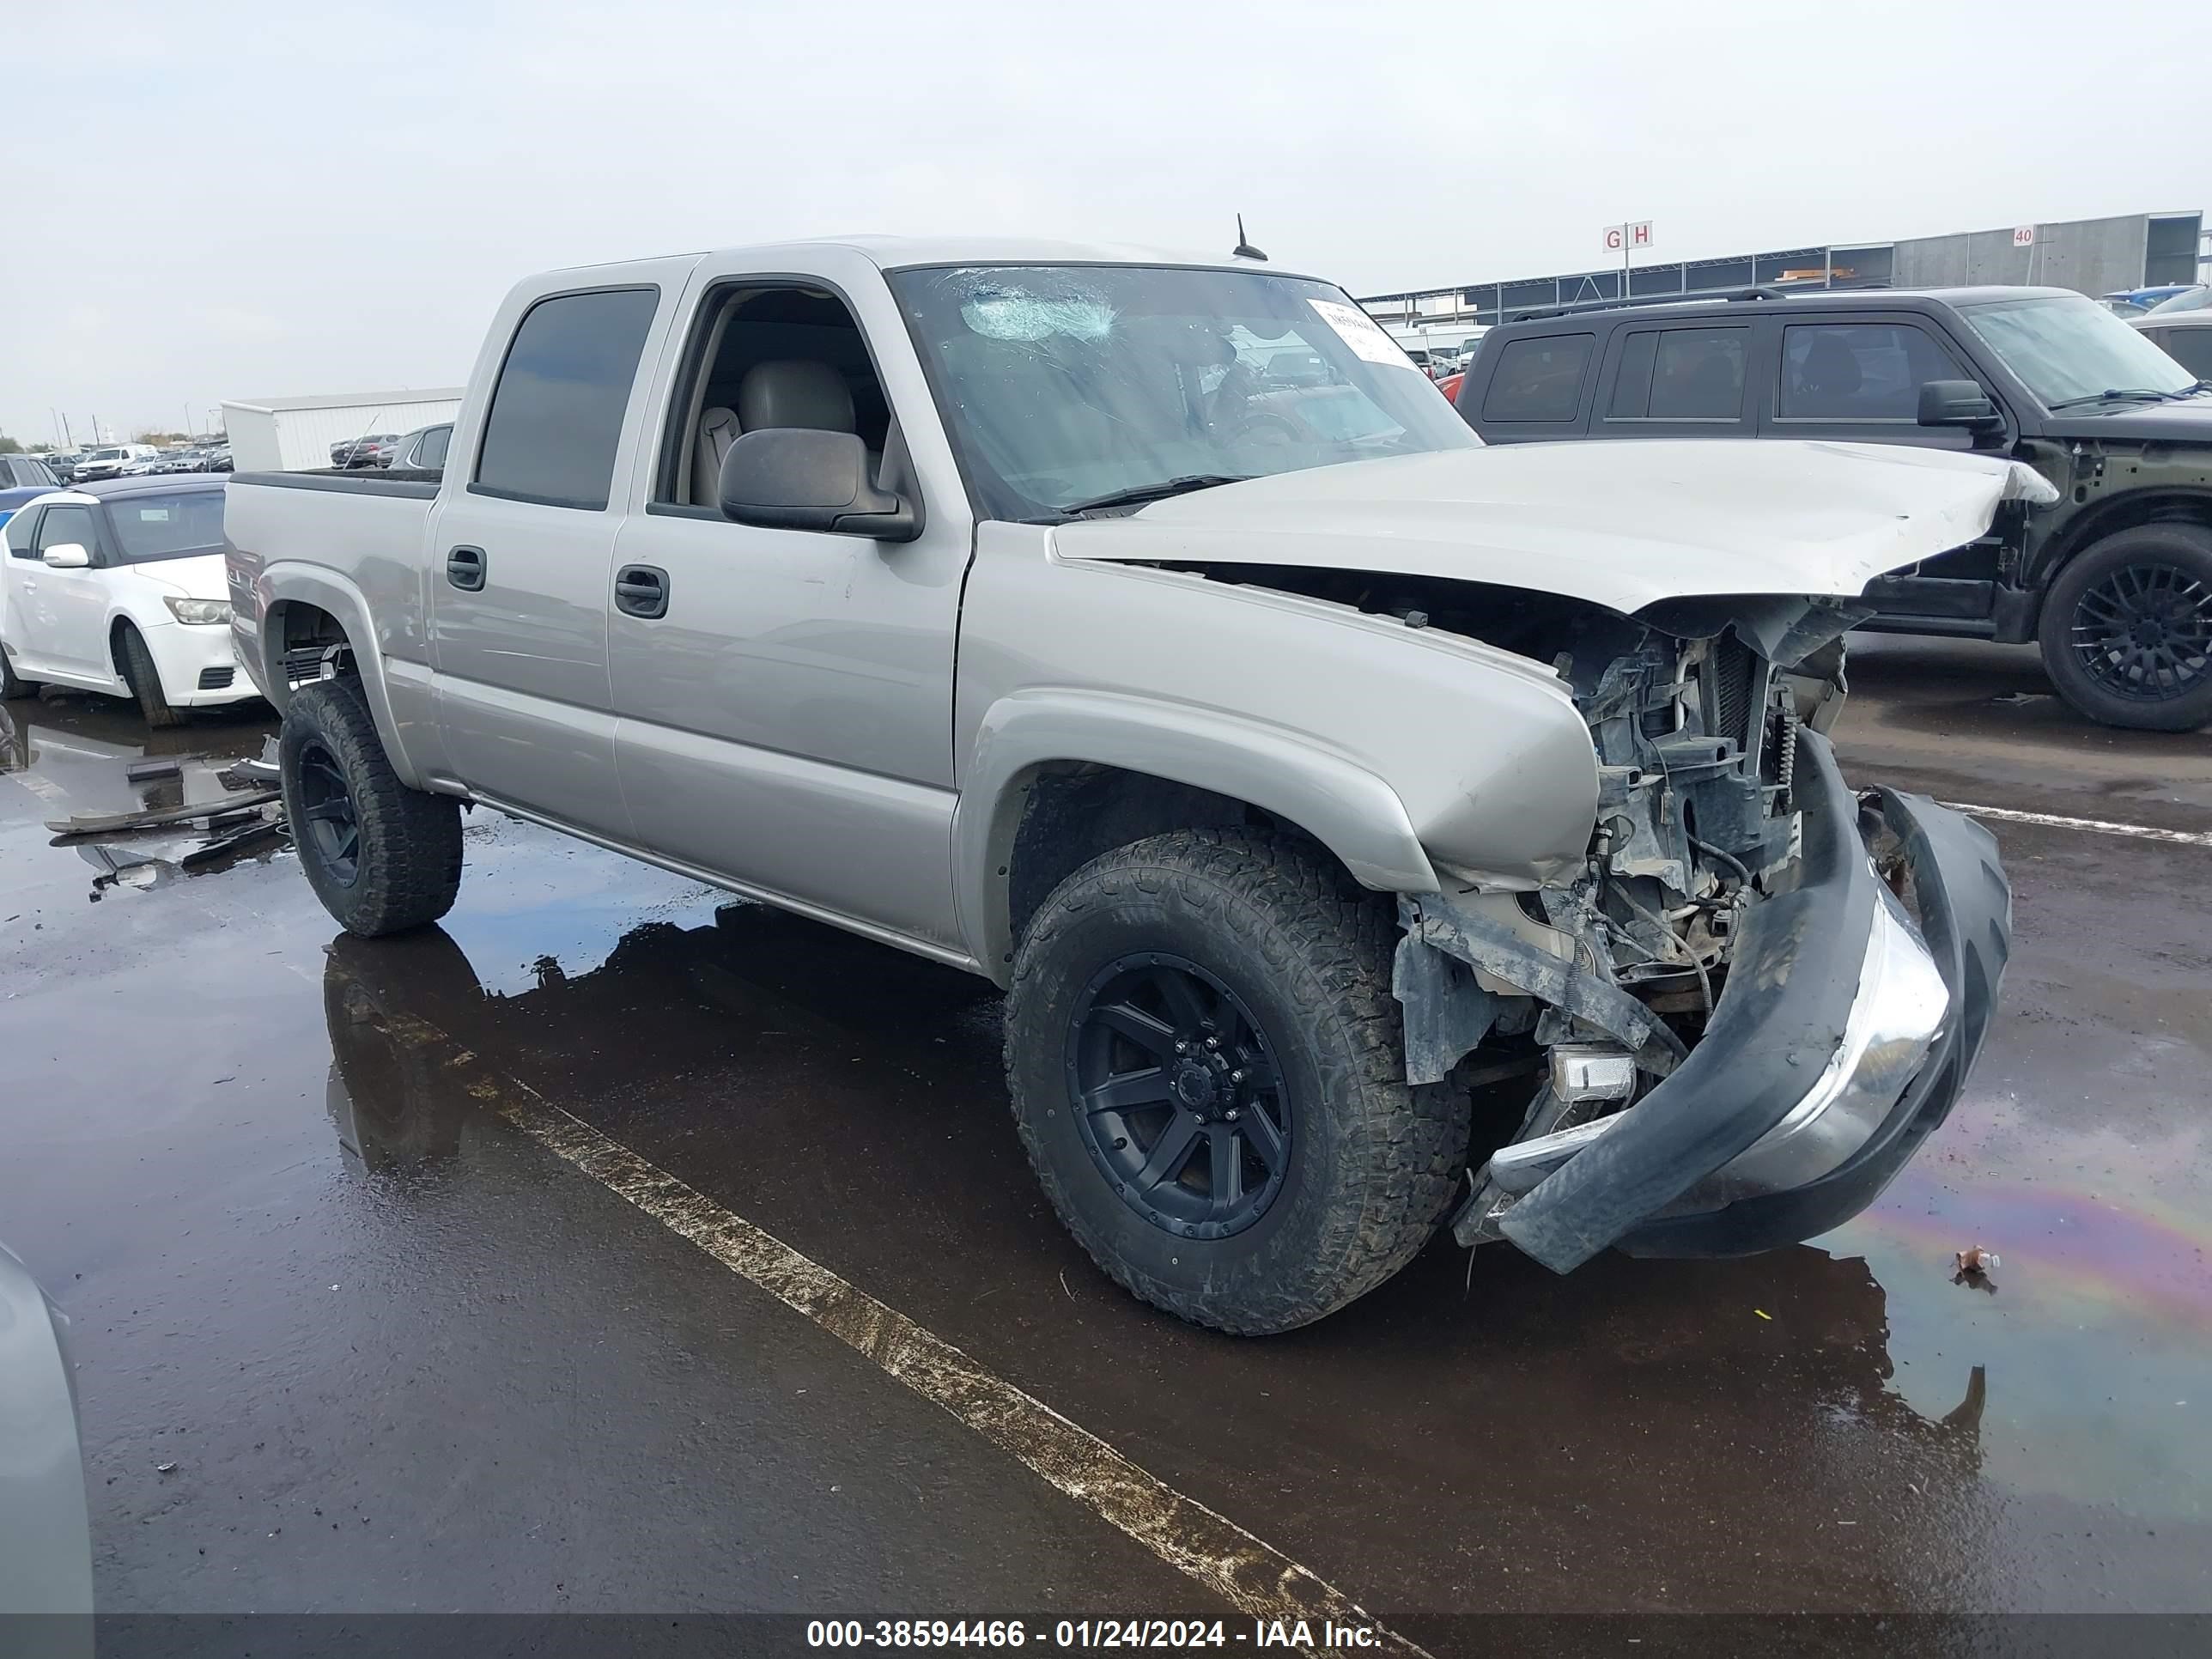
(1035, 307)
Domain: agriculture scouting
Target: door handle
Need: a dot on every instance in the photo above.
(641, 589)
(464, 569)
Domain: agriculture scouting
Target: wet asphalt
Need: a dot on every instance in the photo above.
(404, 1359)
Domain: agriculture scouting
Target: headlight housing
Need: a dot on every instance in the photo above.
(199, 610)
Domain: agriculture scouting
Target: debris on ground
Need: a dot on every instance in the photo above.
(258, 773)
(1974, 1265)
(110, 823)
(146, 771)
(230, 843)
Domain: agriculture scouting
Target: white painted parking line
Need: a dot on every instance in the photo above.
(2093, 826)
(1248, 1573)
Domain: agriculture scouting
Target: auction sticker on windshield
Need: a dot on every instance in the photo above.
(1361, 332)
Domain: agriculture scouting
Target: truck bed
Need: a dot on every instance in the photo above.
(365, 530)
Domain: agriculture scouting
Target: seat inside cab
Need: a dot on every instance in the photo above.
(773, 357)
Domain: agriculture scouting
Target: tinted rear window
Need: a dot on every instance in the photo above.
(168, 526)
(1697, 374)
(1539, 379)
(557, 413)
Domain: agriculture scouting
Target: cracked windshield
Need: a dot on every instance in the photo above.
(1080, 388)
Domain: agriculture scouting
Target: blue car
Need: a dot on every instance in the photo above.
(2143, 299)
(21, 478)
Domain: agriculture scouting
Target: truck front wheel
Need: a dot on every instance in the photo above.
(2127, 629)
(383, 858)
(1207, 1069)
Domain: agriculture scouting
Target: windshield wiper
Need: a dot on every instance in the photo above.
(1140, 495)
(2151, 392)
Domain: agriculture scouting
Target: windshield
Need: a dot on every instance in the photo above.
(2068, 349)
(1065, 384)
(166, 527)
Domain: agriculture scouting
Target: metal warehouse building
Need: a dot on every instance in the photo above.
(2095, 256)
(289, 435)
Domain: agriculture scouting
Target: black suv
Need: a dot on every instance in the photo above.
(2114, 580)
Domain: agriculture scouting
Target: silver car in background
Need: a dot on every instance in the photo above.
(423, 449)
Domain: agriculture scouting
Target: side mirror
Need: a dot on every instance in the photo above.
(794, 477)
(1958, 403)
(66, 556)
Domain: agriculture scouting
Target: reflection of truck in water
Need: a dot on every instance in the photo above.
(806, 1066)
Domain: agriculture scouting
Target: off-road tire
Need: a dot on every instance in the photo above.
(1373, 1161)
(409, 851)
(144, 680)
(11, 687)
(2185, 547)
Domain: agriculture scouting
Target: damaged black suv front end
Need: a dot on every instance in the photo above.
(1759, 992)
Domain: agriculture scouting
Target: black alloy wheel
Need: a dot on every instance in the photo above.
(2144, 632)
(1180, 1101)
(328, 815)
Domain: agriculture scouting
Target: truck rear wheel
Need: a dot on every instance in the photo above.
(1207, 1072)
(383, 858)
(2127, 629)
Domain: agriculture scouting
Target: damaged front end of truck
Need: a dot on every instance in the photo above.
(1757, 995)
(1721, 1018)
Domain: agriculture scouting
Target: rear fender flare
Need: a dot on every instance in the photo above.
(1355, 814)
(304, 584)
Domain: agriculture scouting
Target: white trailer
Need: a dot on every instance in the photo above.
(291, 435)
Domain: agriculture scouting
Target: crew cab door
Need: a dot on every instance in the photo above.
(784, 696)
(520, 540)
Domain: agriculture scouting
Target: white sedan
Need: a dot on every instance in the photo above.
(119, 586)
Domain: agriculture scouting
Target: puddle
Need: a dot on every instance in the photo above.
(86, 756)
(2097, 1326)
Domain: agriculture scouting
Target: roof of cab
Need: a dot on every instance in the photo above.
(165, 483)
(908, 253)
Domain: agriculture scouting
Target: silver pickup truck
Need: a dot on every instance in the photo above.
(1371, 830)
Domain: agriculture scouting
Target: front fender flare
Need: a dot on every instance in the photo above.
(1349, 810)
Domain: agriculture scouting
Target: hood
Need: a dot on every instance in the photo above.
(199, 576)
(1623, 524)
(2189, 422)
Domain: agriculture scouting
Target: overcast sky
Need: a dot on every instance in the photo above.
(221, 201)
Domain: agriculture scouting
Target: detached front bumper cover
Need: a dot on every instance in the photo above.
(1844, 1036)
